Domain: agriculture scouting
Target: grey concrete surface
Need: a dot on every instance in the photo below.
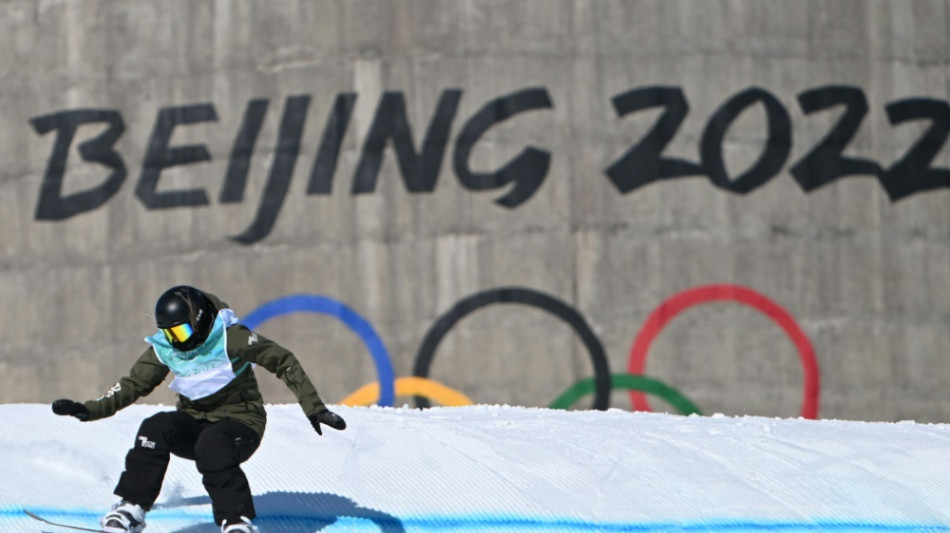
(865, 277)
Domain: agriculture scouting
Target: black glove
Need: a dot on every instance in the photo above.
(329, 418)
(71, 408)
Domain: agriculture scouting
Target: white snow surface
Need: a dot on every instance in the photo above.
(500, 468)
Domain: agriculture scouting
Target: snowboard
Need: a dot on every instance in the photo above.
(59, 524)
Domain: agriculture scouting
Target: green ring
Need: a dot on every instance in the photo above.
(628, 382)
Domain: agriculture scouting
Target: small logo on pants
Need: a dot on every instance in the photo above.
(145, 443)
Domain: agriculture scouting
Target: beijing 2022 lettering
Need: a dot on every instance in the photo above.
(642, 164)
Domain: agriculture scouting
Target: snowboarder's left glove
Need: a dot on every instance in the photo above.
(329, 418)
(71, 408)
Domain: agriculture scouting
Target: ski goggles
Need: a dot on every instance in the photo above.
(179, 333)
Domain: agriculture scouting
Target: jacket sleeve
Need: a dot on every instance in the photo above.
(145, 375)
(283, 364)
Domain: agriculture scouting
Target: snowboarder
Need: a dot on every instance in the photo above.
(219, 419)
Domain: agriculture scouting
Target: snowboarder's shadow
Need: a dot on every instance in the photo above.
(296, 512)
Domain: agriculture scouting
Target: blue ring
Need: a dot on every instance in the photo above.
(296, 303)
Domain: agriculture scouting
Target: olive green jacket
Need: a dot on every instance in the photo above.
(239, 400)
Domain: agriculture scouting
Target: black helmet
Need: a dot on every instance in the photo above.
(185, 315)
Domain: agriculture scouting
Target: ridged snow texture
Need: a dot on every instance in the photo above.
(487, 468)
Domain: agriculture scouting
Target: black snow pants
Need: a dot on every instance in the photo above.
(217, 448)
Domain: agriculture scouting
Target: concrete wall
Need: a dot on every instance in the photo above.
(372, 136)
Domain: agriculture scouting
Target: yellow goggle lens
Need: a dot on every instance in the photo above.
(179, 333)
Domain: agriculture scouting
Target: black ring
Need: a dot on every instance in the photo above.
(461, 309)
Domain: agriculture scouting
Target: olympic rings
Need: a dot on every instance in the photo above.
(528, 297)
(328, 306)
(630, 382)
(682, 301)
(406, 386)
(601, 384)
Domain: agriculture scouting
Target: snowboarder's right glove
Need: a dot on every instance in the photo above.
(329, 418)
(71, 408)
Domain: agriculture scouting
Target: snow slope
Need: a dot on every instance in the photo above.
(482, 468)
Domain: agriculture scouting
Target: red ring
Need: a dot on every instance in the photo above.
(682, 301)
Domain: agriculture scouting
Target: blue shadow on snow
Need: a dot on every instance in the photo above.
(297, 512)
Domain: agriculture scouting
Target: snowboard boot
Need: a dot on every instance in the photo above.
(244, 526)
(125, 517)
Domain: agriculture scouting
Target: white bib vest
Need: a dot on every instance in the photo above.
(206, 369)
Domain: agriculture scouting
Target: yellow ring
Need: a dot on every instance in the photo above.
(409, 386)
